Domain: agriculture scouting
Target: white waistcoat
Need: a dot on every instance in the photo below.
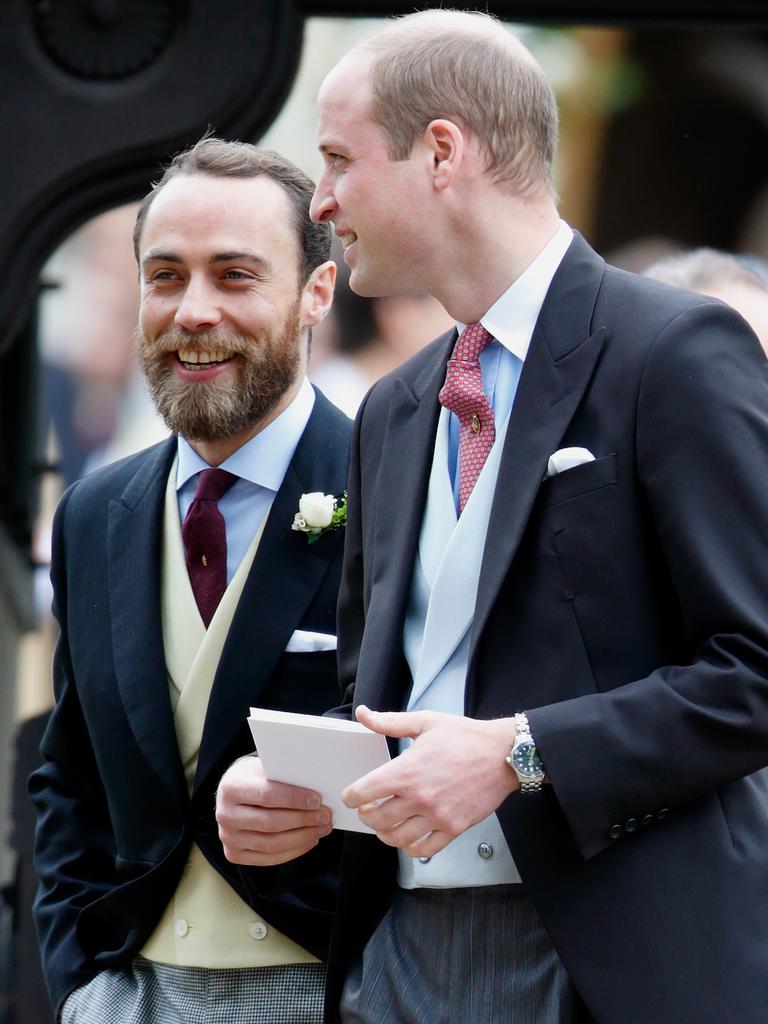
(205, 924)
(436, 638)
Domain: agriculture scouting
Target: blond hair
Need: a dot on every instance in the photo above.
(465, 67)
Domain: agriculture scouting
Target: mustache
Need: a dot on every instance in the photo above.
(230, 343)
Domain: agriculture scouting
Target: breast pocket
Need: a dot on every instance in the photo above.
(572, 483)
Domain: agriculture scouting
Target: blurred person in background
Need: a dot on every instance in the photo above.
(732, 279)
(183, 597)
(93, 389)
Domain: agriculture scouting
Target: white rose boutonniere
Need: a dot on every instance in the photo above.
(319, 513)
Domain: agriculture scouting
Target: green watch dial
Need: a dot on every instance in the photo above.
(527, 761)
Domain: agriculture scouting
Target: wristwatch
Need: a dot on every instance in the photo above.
(524, 758)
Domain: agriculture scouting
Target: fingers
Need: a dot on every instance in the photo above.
(262, 823)
(260, 849)
(376, 785)
(244, 783)
(245, 819)
(394, 723)
(429, 845)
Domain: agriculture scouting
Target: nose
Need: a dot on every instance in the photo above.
(323, 205)
(198, 307)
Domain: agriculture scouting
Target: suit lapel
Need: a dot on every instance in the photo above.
(284, 578)
(406, 456)
(133, 564)
(560, 362)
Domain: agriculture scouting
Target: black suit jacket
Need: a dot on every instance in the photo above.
(624, 605)
(115, 821)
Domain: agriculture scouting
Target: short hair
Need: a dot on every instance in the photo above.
(466, 67)
(218, 158)
(704, 268)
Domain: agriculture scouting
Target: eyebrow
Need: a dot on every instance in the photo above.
(161, 256)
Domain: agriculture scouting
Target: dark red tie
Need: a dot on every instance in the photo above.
(205, 541)
(463, 394)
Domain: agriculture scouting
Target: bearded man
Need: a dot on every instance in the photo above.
(184, 596)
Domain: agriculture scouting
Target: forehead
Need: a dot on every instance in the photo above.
(344, 100)
(196, 212)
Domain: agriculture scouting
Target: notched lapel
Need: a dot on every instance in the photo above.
(407, 449)
(547, 398)
(134, 537)
(561, 359)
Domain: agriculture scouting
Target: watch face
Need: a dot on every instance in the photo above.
(527, 761)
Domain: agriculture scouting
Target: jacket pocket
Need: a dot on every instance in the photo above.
(589, 476)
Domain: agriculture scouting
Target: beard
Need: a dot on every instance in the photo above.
(215, 410)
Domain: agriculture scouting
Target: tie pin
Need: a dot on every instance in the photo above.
(476, 424)
(204, 560)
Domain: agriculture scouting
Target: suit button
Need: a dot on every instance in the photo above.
(485, 850)
(424, 860)
(630, 824)
(647, 819)
(662, 813)
(182, 928)
(257, 930)
(615, 832)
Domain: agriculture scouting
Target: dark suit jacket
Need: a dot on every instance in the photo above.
(624, 605)
(115, 821)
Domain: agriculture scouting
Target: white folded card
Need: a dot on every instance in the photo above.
(324, 754)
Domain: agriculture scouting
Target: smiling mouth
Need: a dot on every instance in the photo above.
(192, 359)
(348, 238)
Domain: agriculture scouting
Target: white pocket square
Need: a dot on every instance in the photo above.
(568, 458)
(303, 641)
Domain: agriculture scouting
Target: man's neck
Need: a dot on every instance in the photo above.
(489, 252)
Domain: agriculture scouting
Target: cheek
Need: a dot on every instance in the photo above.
(150, 316)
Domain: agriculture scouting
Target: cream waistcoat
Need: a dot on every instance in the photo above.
(205, 924)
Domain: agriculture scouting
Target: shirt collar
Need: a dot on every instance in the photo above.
(512, 317)
(264, 459)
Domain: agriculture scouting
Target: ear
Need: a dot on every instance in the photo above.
(317, 295)
(446, 143)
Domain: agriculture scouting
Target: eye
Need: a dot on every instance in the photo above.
(236, 275)
(335, 160)
(160, 276)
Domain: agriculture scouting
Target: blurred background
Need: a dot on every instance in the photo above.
(663, 121)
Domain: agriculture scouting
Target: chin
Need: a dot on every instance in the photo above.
(368, 287)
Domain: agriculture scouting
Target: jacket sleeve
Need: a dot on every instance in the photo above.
(681, 732)
(74, 844)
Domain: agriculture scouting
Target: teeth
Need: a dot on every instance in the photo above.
(190, 355)
(348, 239)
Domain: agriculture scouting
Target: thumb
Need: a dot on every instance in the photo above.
(399, 724)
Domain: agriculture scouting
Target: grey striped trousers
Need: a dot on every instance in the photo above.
(460, 956)
(144, 992)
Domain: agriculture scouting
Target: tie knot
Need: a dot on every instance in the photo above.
(213, 484)
(471, 342)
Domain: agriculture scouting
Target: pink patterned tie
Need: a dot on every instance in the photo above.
(463, 394)
(205, 541)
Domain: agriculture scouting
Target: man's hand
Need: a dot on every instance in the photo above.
(452, 776)
(262, 823)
